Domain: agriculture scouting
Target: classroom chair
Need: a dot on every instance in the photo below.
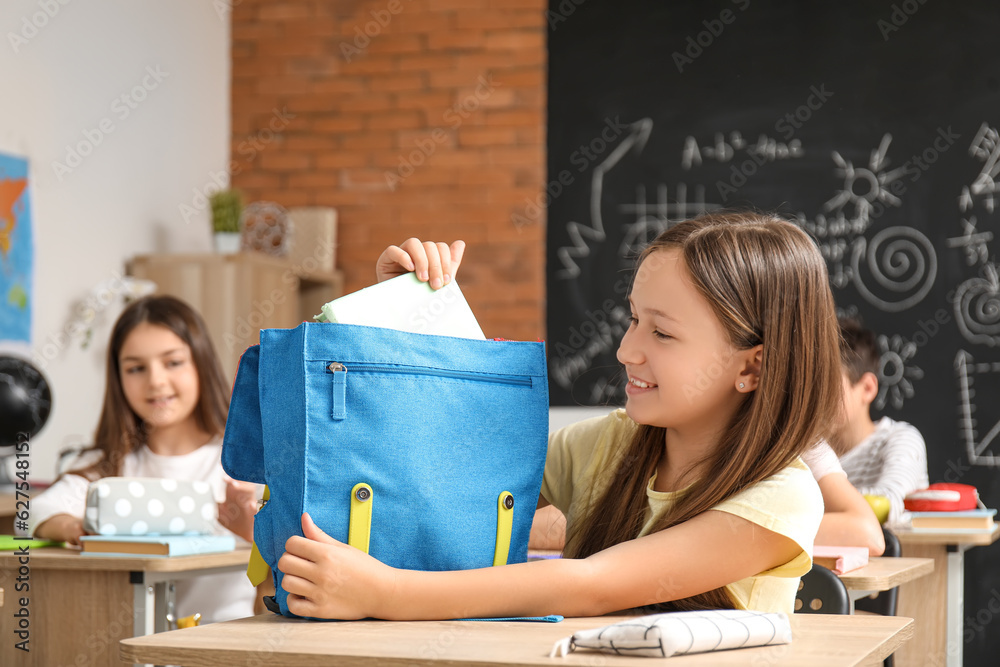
(821, 592)
(884, 602)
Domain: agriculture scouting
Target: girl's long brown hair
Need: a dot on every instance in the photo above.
(768, 284)
(120, 430)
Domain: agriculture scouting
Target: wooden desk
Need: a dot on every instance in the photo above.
(276, 641)
(937, 602)
(882, 574)
(7, 513)
(82, 606)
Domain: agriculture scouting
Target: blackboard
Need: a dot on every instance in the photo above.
(873, 124)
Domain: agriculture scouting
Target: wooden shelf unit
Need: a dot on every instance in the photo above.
(239, 294)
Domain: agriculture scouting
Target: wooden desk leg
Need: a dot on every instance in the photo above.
(956, 603)
(925, 600)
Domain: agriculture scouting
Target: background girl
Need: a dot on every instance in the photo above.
(164, 413)
(694, 495)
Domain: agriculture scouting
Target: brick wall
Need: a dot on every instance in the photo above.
(412, 118)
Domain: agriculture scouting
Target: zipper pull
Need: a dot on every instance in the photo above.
(338, 396)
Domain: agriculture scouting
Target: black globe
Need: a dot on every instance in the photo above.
(25, 400)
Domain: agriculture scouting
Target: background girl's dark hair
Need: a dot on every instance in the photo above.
(120, 430)
(858, 349)
(767, 283)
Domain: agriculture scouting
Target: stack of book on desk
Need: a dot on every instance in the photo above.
(957, 521)
(155, 545)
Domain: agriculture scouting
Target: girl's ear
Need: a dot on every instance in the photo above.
(748, 377)
(869, 384)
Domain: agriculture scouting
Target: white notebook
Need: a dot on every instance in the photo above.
(407, 304)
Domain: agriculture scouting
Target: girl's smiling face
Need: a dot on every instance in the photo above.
(158, 376)
(682, 368)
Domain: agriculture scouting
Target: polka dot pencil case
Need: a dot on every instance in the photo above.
(149, 506)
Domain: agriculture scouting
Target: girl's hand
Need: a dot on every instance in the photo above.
(325, 578)
(434, 262)
(237, 510)
(63, 527)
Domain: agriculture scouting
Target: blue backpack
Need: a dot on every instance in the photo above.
(424, 451)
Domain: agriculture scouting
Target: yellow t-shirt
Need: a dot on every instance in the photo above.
(582, 457)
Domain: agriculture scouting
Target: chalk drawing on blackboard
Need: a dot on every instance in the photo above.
(895, 372)
(607, 391)
(977, 308)
(765, 149)
(651, 219)
(972, 242)
(865, 186)
(901, 261)
(596, 334)
(832, 235)
(579, 234)
(832, 226)
(985, 146)
(722, 150)
(980, 453)
(965, 199)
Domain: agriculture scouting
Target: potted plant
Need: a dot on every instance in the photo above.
(226, 208)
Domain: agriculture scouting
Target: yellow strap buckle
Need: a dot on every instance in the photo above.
(360, 528)
(257, 568)
(505, 525)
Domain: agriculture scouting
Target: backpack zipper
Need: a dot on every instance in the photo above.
(339, 386)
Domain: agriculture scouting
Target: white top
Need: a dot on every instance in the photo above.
(891, 462)
(219, 597)
(822, 460)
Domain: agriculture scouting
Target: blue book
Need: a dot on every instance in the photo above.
(155, 545)
(981, 519)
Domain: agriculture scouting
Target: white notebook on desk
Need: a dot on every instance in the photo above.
(407, 304)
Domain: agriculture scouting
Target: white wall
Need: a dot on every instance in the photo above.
(564, 416)
(58, 82)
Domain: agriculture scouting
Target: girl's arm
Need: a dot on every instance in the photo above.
(329, 579)
(848, 519)
(62, 527)
(548, 529)
(57, 512)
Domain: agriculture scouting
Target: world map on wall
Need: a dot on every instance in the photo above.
(16, 251)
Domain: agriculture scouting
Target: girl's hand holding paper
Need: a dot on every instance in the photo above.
(436, 263)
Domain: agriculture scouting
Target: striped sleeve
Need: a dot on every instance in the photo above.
(892, 465)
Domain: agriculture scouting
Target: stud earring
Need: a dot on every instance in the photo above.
(742, 385)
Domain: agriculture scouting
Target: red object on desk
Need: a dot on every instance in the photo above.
(943, 497)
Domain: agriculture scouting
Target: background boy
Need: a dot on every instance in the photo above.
(887, 457)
